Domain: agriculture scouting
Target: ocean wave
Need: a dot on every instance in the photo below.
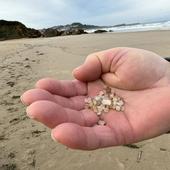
(137, 27)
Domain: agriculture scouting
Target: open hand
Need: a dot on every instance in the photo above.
(140, 77)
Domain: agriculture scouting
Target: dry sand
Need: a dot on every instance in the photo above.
(26, 144)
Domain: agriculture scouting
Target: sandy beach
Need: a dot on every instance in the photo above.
(26, 144)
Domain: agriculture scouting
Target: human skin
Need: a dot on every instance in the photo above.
(140, 77)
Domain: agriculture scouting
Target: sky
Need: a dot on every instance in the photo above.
(47, 13)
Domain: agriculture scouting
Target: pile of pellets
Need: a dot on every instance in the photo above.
(104, 102)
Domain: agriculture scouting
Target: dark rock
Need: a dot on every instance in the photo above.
(163, 149)
(100, 31)
(40, 54)
(15, 29)
(15, 120)
(15, 97)
(33, 33)
(11, 155)
(37, 133)
(2, 137)
(66, 32)
(11, 83)
(76, 31)
(133, 146)
(51, 32)
(27, 66)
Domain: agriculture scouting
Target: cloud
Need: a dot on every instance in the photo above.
(135, 11)
(39, 14)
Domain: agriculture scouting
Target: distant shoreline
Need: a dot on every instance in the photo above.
(136, 27)
(90, 34)
(16, 30)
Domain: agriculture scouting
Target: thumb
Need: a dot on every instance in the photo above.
(98, 63)
(90, 70)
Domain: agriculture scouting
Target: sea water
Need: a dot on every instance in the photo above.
(136, 27)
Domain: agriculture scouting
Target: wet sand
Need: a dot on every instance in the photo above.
(26, 144)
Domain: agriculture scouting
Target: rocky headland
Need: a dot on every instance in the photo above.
(15, 30)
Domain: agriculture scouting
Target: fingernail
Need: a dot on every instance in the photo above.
(77, 68)
(21, 98)
(28, 114)
(52, 136)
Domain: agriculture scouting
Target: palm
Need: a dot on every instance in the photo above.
(145, 111)
(145, 91)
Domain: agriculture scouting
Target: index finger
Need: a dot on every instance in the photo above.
(99, 63)
(66, 88)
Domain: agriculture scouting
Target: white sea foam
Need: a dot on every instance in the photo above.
(138, 27)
